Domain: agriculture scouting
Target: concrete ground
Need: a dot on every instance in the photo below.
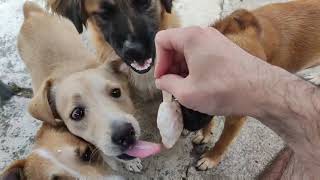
(251, 152)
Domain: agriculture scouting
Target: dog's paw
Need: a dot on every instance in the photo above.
(134, 165)
(201, 137)
(206, 163)
(313, 77)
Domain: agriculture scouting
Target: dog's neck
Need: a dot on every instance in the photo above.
(144, 84)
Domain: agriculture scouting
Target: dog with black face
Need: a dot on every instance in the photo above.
(129, 26)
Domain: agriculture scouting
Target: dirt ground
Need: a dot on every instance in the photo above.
(251, 152)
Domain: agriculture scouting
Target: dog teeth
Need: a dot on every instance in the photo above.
(138, 67)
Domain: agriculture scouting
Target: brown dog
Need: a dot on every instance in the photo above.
(71, 88)
(58, 154)
(283, 34)
(128, 26)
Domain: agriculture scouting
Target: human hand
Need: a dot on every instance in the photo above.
(207, 72)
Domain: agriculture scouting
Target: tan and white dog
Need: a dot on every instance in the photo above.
(71, 88)
(58, 154)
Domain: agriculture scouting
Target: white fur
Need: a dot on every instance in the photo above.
(43, 153)
(48, 156)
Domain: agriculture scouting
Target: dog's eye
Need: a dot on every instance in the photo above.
(116, 93)
(143, 4)
(77, 113)
(86, 156)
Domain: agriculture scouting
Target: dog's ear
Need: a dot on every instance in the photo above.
(114, 64)
(167, 4)
(118, 67)
(14, 171)
(30, 7)
(238, 21)
(72, 9)
(41, 104)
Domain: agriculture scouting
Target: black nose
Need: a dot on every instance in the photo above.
(134, 51)
(124, 135)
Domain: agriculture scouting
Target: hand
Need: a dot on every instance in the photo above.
(207, 72)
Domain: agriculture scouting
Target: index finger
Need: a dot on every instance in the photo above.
(169, 43)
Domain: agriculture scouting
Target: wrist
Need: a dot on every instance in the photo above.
(290, 107)
(277, 93)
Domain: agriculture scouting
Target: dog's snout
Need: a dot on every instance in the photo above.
(124, 135)
(134, 51)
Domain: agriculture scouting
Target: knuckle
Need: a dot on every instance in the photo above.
(194, 34)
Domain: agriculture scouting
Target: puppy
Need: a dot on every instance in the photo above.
(58, 154)
(128, 26)
(72, 88)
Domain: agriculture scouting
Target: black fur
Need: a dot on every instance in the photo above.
(72, 9)
(129, 26)
(167, 5)
(126, 26)
(193, 120)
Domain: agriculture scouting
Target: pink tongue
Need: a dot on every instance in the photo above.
(143, 149)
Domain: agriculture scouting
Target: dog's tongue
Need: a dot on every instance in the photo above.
(143, 149)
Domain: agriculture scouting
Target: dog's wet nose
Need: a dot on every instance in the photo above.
(134, 51)
(124, 135)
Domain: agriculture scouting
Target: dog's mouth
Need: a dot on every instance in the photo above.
(141, 149)
(125, 157)
(141, 68)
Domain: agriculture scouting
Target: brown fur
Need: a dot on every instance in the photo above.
(284, 35)
(65, 148)
(87, 10)
(65, 76)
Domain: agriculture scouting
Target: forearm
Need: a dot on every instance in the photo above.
(291, 107)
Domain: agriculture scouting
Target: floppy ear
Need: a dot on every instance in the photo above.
(72, 9)
(118, 67)
(14, 171)
(30, 7)
(167, 4)
(41, 104)
(115, 64)
(238, 21)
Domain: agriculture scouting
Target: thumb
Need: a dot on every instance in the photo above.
(171, 83)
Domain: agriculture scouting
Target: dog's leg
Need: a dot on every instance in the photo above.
(213, 157)
(204, 135)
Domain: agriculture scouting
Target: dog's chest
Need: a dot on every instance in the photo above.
(145, 84)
